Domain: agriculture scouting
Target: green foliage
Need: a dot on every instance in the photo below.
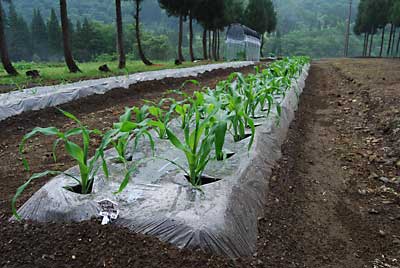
(17, 35)
(207, 117)
(39, 35)
(162, 117)
(54, 34)
(87, 167)
(260, 15)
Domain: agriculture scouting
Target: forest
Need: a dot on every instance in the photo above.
(314, 28)
(294, 27)
(373, 18)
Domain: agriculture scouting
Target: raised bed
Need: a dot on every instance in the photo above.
(159, 201)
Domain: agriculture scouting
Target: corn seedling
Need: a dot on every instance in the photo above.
(199, 138)
(87, 168)
(162, 117)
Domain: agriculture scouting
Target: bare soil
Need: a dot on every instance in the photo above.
(334, 196)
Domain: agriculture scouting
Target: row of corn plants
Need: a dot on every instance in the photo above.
(206, 118)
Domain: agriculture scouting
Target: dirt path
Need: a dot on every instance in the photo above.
(326, 210)
(334, 197)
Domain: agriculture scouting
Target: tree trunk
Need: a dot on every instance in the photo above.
(370, 45)
(139, 44)
(218, 45)
(393, 40)
(191, 37)
(209, 45)
(390, 41)
(383, 39)
(69, 59)
(180, 40)
(205, 56)
(214, 45)
(365, 40)
(398, 46)
(120, 35)
(5, 58)
(262, 45)
(366, 45)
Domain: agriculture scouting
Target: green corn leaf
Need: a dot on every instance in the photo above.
(175, 141)
(70, 116)
(26, 184)
(75, 151)
(220, 133)
(126, 180)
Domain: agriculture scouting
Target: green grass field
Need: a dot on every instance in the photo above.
(57, 73)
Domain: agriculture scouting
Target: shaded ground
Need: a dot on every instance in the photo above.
(334, 197)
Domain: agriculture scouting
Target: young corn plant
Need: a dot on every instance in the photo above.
(200, 137)
(239, 119)
(87, 167)
(122, 133)
(162, 117)
(126, 130)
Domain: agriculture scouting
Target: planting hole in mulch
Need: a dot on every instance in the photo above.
(204, 180)
(255, 125)
(259, 116)
(77, 189)
(227, 156)
(247, 135)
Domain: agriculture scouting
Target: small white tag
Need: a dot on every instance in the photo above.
(108, 210)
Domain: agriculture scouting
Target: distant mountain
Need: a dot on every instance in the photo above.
(292, 14)
(312, 14)
(100, 10)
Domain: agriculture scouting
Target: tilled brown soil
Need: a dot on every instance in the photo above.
(334, 196)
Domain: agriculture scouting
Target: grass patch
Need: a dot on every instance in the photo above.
(57, 73)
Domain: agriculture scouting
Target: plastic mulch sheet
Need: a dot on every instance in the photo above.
(160, 202)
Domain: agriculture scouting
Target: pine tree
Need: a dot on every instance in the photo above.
(54, 34)
(39, 35)
(20, 37)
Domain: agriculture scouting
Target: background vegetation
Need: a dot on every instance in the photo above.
(312, 27)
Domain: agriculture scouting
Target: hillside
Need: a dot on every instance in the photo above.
(313, 27)
(100, 10)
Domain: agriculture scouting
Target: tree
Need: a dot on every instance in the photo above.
(39, 35)
(87, 43)
(120, 35)
(54, 34)
(137, 28)
(5, 58)
(211, 15)
(20, 39)
(260, 15)
(65, 24)
(395, 18)
(368, 22)
(177, 8)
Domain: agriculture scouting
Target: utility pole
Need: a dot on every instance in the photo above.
(347, 37)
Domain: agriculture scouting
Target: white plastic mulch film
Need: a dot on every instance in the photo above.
(31, 99)
(159, 201)
(242, 43)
